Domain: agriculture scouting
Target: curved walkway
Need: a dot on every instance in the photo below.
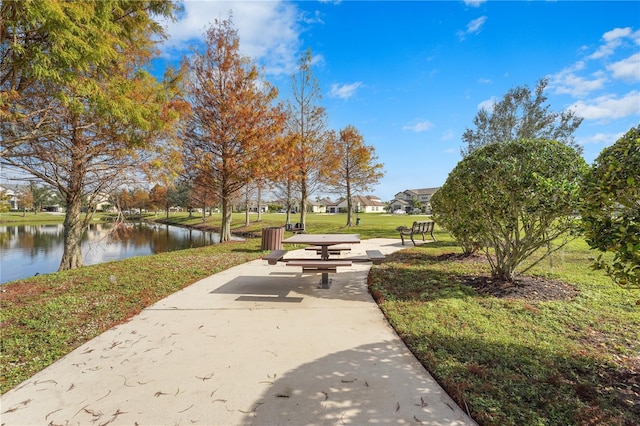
(255, 344)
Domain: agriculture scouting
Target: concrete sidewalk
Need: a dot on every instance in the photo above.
(255, 344)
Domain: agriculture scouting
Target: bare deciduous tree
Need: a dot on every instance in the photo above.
(307, 129)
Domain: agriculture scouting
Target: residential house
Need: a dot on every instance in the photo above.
(364, 204)
(8, 196)
(312, 206)
(331, 206)
(405, 200)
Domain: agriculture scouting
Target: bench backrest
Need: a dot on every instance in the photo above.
(422, 226)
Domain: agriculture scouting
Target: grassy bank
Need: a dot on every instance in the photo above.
(535, 357)
(29, 218)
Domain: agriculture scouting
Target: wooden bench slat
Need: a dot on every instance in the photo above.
(274, 256)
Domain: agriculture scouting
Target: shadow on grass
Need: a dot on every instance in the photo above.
(406, 284)
(527, 380)
(414, 275)
(506, 383)
(248, 250)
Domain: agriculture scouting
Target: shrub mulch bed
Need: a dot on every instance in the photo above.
(625, 379)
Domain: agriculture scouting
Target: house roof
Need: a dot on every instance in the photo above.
(369, 200)
(327, 202)
(423, 191)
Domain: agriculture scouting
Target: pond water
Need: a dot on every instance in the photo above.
(27, 250)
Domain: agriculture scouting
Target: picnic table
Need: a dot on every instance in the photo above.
(324, 265)
(325, 245)
(324, 241)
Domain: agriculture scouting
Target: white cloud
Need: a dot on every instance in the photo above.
(344, 91)
(600, 138)
(268, 30)
(568, 82)
(626, 69)
(609, 107)
(578, 86)
(612, 39)
(473, 27)
(488, 104)
(448, 135)
(421, 126)
(474, 3)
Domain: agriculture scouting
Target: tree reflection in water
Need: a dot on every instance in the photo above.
(27, 250)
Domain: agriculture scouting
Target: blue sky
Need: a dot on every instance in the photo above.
(412, 75)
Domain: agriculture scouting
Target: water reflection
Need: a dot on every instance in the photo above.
(26, 250)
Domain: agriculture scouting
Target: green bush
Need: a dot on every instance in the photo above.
(512, 199)
(611, 208)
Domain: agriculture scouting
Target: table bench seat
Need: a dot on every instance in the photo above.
(274, 257)
(324, 267)
(376, 256)
(335, 250)
(319, 265)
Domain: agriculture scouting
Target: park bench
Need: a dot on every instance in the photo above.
(298, 228)
(418, 228)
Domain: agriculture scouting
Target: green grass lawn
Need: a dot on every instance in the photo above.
(371, 225)
(507, 361)
(513, 361)
(11, 218)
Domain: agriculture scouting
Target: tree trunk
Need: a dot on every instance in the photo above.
(288, 206)
(73, 230)
(259, 201)
(225, 229)
(303, 202)
(246, 207)
(349, 206)
(73, 224)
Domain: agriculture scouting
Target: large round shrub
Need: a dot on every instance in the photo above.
(447, 212)
(513, 199)
(611, 209)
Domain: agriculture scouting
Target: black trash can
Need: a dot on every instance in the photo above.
(358, 221)
(272, 238)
